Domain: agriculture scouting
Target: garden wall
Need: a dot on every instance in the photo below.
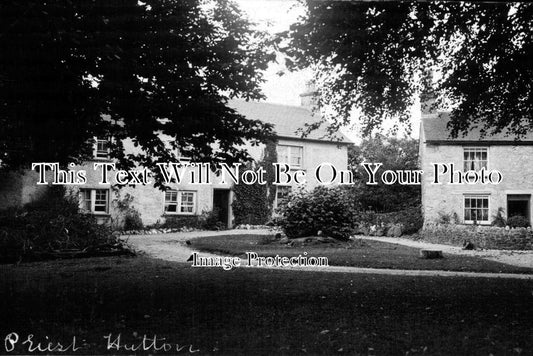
(486, 237)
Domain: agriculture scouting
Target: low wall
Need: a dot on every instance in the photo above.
(486, 237)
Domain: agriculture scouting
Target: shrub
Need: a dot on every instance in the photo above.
(447, 218)
(518, 221)
(51, 224)
(498, 219)
(330, 210)
(133, 221)
(178, 222)
(211, 220)
(410, 219)
(128, 217)
(208, 220)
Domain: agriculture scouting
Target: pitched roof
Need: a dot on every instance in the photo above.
(435, 131)
(287, 120)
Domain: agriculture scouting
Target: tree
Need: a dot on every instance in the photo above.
(373, 56)
(72, 70)
(394, 154)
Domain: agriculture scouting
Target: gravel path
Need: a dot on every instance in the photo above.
(173, 247)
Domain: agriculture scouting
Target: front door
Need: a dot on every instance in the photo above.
(518, 204)
(221, 202)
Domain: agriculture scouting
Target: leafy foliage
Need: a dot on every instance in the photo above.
(253, 203)
(498, 220)
(331, 210)
(52, 223)
(129, 218)
(410, 219)
(394, 154)
(207, 220)
(518, 221)
(374, 56)
(157, 72)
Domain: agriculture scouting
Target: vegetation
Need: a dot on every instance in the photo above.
(50, 226)
(331, 210)
(73, 70)
(253, 203)
(409, 219)
(375, 56)
(395, 154)
(518, 221)
(207, 220)
(498, 220)
(128, 218)
(214, 310)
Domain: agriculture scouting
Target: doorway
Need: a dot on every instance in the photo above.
(221, 201)
(518, 204)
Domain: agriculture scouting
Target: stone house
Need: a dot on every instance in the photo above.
(474, 202)
(186, 199)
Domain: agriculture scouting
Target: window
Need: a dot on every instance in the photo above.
(475, 158)
(476, 208)
(180, 202)
(293, 155)
(101, 149)
(282, 193)
(94, 200)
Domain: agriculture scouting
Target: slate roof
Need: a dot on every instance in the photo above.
(435, 131)
(286, 120)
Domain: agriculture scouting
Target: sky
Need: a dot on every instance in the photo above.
(276, 16)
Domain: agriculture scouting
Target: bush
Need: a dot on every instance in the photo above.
(128, 217)
(330, 210)
(51, 224)
(498, 220)
(133, 221)
(410, 219)
(211, 220)
(179, 222)
(208, 220)
(518, 221)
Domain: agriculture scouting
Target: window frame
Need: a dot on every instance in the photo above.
(277, 200)
(289, 155)
(179, 202)
(96, 151)
(475, 149)
(92, 201)
(476, 196)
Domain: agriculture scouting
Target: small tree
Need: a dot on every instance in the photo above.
(394, 154)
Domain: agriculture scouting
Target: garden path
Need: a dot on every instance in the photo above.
(173, 247)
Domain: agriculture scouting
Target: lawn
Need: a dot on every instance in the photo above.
(363, 253)
(262, 312)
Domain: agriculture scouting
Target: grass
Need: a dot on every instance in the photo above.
(263, 312)
(365, 253)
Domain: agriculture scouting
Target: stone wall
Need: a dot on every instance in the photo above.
(485, 237)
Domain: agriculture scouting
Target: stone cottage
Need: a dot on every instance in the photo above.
(186, 199)
(474, 202)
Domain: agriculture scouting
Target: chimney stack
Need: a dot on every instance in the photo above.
(428, 104)
(308, 97)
